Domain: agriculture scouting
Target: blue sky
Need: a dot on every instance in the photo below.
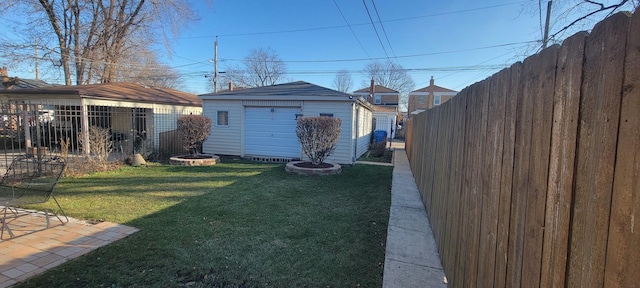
(423, 35)
(457, 42)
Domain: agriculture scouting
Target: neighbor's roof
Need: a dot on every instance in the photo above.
(114, 91)
(299, 90)
(434, 88)
(19, 83)
(377, 88)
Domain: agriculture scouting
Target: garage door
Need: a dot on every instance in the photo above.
(271, 131)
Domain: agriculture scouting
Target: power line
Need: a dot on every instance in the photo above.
(408, 70)
(353, 25)
(383, 30)
(374, 28)
(402, 56)
(352, 32)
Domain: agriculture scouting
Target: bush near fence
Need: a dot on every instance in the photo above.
(530, 177)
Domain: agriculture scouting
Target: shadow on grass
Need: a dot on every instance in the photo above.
(232, 225)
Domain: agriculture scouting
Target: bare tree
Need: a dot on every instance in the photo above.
(92, 35)
(391, 75)
(142, 66)
(587, 9)
(343, 81)
(571, 16)
(262, 67)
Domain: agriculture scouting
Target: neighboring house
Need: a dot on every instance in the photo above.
(19, 83)
(385, 103)
(260, 123)
(379, 95)
(386, 119)
(428, 97)
(136, 115)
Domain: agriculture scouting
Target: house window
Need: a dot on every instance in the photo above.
(223, 118)
(436, 100)
(326, 114)
(377, 99)
(422, 99)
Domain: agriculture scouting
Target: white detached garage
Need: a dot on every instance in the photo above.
(260, 123)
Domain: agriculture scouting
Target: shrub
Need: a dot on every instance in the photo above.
(193, 129)
(318, 136)
(378, 149)
(99, 143)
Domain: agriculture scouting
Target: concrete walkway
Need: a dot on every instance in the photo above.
(411, 258)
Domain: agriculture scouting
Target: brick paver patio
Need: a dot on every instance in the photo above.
(36, 248)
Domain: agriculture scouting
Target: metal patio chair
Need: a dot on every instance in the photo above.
(30, 179)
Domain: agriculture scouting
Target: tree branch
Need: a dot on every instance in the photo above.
(602, 8)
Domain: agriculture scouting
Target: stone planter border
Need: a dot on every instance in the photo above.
(291, 168)
(178, 160)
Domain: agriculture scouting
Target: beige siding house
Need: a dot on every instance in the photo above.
(428, 97)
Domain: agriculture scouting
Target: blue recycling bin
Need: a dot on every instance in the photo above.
(380, 135)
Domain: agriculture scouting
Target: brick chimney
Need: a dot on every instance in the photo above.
(431, 83)
(4, 74)
(230, 85)
(372, 91)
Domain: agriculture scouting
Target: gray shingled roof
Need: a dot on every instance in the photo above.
(299, 90)
(29, 83)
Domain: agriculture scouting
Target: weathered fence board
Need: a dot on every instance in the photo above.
(452, 198)
(458, 105)
(599, 116)
(512, 89)
(464, 204)
(524, 116)
(542, 84)
(493, 168)
(562, 160)
(622, 263)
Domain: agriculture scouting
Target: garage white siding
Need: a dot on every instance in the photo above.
(271, 131)
(341, 110)
(364, 123)
(224, 140)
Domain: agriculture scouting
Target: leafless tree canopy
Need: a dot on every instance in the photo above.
(262, 67)
(343, 81)
(92, 40)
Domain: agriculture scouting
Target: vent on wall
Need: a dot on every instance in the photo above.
(267, 159)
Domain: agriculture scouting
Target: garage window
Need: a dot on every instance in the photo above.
(223, 118)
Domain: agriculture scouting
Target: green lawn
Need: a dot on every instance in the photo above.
(230, 225)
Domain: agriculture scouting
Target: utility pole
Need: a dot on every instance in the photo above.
(215, 66)
(546, 26)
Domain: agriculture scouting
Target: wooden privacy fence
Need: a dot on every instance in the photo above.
(531, 178)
